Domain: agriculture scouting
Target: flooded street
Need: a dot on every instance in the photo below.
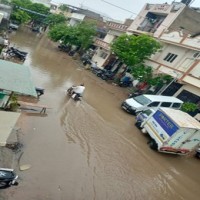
(89, 150)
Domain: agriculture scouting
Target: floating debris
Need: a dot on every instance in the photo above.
(24, 167)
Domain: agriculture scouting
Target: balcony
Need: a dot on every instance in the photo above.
(181, 39)
(100, 43)
(159, 8)
(117, 26)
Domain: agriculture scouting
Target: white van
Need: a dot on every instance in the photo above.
(145, 101)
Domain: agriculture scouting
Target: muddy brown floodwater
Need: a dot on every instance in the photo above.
(89, 150)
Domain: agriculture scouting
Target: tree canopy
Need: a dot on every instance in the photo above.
(133, 50)
(54, 19)
(24, 16)
(64, 8)
(80, 35)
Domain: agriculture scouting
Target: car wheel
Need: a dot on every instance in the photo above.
(138, 125)
(4, 184)
(153, 145)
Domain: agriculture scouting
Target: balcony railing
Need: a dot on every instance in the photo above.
(117, 26)
(100, 43)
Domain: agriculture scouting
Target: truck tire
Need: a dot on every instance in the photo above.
(138, 125)
(153, 145)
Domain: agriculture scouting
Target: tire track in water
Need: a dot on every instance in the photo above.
(104, 144)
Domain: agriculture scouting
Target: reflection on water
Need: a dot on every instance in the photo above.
(90, 149)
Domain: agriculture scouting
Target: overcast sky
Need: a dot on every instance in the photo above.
(132, 5)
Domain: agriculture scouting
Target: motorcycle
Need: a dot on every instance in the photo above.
(107, 75)
(13, 52)
(63, 47)
(125, 83)
(75, 96)
(7, 177)
(97, 71)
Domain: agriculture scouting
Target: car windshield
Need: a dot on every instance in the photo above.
(142, 100)
(147, 112)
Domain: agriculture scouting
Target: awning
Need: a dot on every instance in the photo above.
(16, 78)
(7, 123)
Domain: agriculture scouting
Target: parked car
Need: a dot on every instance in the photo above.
(144, 102)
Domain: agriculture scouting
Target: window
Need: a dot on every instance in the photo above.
(147, 112)
(166, 104)
(154, 104)
(170, 57)
(196, 55)
(142, 100)
(176, 105)
(103, 55)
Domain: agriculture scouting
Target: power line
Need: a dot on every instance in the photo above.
(118, 7)
(137, 15)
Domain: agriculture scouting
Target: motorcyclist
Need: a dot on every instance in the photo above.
(78, 89)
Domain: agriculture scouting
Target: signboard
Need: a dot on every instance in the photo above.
(165, 122)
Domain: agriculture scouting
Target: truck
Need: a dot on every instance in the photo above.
(172, 131)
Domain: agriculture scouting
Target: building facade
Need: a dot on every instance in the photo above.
(103, 55)
(176, 26)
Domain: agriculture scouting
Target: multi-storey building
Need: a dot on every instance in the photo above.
(103, 55)
(176, 26)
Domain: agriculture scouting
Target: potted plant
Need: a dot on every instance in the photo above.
(13, 103)
(190, 108)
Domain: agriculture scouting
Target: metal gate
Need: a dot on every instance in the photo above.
(171, 89)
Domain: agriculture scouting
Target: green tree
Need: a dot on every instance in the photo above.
(142, 73)
(21, 3)
(85, 32)
(64, 8)
(62, 32)
(27, 4)
(133, 50)
(20, 16)
(80, 35)
(39, 8)
(54, 19)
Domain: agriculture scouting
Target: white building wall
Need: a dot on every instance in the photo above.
(73, 22)
(183, 61)
(151, 64)
(196, 71)
(168, 20)
(109, 38)
(157, 9)
(100, 56)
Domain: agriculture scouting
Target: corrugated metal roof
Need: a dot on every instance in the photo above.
(7, 123)
(17, 78)
(181, 118)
